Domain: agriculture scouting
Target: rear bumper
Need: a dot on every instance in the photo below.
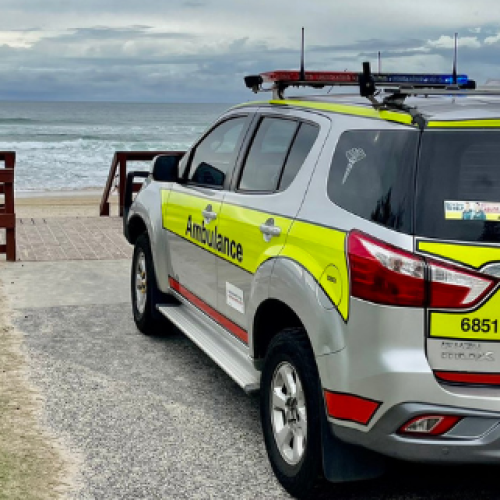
(382, 379)
(476, 438)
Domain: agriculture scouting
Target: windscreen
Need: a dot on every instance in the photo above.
(458, 185)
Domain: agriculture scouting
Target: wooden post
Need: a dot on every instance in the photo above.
(122, 180)
(7, 211)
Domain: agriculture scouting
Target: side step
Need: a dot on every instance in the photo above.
(224, 350)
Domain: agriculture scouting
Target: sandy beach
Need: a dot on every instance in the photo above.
(61, 204)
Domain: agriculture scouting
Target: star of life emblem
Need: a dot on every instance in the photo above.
(354, 155)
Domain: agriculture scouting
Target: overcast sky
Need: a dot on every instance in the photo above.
(199, 50)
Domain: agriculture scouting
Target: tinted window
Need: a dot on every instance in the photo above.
(302, 144)
(269, 149)
(458, 196)
(372, 176)
(215, 156)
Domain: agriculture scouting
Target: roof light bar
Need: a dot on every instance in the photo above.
(400, 85)
(351, 78)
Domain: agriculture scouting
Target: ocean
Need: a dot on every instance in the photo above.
(70, 145)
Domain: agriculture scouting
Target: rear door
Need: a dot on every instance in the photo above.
(267, 193)
(458, 223)
(191, 211)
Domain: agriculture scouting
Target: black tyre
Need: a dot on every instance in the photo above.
(145, 292)
(291, 407)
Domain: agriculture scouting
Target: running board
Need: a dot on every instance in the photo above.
(224, 350)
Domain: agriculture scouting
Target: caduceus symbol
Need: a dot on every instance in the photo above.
(354, 156)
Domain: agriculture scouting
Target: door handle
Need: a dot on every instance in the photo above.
(208, 214)
(269, 230)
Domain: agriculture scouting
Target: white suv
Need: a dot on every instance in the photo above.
(342, 256)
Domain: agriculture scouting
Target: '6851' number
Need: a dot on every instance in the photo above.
(479, 325)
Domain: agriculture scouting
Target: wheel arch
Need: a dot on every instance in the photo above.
(294, 298)
(271, 317)
(135, 227)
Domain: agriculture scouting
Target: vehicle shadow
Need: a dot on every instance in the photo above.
(405, 480)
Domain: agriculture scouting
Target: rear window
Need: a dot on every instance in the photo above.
(372, 175)
(458, 185)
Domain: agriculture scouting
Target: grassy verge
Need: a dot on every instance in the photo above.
(31, 464)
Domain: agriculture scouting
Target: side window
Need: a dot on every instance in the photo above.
(268, 152)
(216, 154)
(372, 175)
(302, 145)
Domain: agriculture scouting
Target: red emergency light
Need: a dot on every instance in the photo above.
(310, 76)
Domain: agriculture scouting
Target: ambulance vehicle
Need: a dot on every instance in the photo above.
(340, 254)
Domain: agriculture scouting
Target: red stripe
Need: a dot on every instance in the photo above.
(210, 311)
(469, 378)
(350, 407)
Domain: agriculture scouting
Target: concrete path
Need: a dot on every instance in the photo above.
(154, 417)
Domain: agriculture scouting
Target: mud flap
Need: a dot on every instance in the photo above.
(344, 462)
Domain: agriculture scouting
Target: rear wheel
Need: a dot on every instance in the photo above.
(290, 412)
(145, 292)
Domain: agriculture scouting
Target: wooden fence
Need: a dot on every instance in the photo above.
(118, 176)
(7, 212)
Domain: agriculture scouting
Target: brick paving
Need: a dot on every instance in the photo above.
(71, 238)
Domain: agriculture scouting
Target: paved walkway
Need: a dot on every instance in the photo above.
(72, 238)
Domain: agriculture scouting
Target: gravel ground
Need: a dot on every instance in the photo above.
(154, 417)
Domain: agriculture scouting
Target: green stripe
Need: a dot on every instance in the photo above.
(345, 109)
(465, 124)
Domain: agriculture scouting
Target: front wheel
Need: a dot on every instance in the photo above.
(144, 290)
(290, 412)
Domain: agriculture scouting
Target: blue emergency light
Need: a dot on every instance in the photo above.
(420, 79)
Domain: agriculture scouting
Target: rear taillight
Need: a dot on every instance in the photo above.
(384, 274)
(456, 288)
(387, 275)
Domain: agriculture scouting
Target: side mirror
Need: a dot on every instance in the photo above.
(166, 168)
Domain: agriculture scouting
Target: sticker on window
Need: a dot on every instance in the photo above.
(354, 155)
(472, 210)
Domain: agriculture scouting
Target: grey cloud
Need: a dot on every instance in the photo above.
(371, 44)
(111, 33)
(161, 51)
(23, 30)
(194, 4)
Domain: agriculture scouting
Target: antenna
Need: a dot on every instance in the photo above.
(302, 71)
(455, 56)
(379, 62)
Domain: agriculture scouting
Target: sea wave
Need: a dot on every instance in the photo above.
(20, 121)
(71, 145)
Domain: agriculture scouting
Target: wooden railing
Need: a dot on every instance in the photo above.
(7, 212)
(118, 176)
